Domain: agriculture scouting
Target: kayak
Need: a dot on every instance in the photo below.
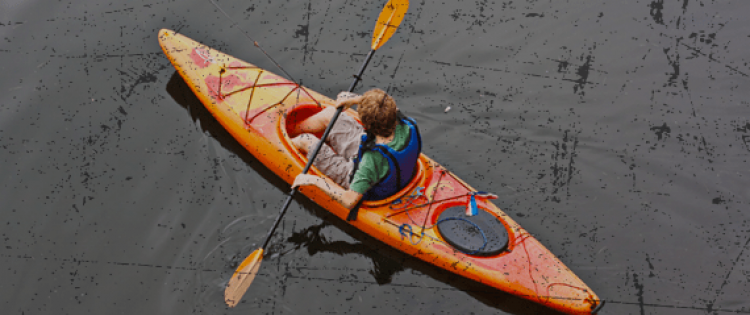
(437, 217)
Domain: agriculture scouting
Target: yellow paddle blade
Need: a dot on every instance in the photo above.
(388, 21)
(242, 278)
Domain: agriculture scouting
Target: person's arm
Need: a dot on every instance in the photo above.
(347, 198)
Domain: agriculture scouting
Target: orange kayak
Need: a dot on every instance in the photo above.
(259, 107)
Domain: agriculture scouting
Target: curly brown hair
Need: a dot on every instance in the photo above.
(378, 112)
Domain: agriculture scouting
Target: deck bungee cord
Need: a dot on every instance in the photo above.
(410, 234)
(404, 204)
(257, 45)
(407, 203)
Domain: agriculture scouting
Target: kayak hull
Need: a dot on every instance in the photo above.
(257, 106)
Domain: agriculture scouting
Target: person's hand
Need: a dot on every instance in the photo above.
(343, 97)
(304, 180)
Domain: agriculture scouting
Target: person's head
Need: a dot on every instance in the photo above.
(378, 112)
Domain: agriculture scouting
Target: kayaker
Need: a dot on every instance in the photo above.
(366, 162)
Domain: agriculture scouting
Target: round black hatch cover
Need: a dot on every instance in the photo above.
(463, 232)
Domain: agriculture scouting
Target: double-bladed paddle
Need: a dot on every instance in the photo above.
(388, 21)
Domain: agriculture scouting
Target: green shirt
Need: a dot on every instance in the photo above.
(374, 166)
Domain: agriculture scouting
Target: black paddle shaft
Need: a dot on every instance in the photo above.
(357, 78)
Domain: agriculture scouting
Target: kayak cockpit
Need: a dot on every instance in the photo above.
(300, 112)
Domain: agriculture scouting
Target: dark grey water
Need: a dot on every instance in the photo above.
(616, 132)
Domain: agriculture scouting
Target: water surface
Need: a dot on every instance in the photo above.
(616, 132)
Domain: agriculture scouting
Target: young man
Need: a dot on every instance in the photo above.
(372, 166)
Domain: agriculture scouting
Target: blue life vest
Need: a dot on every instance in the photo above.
(402, 164)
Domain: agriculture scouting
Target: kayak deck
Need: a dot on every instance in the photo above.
(258, 108)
